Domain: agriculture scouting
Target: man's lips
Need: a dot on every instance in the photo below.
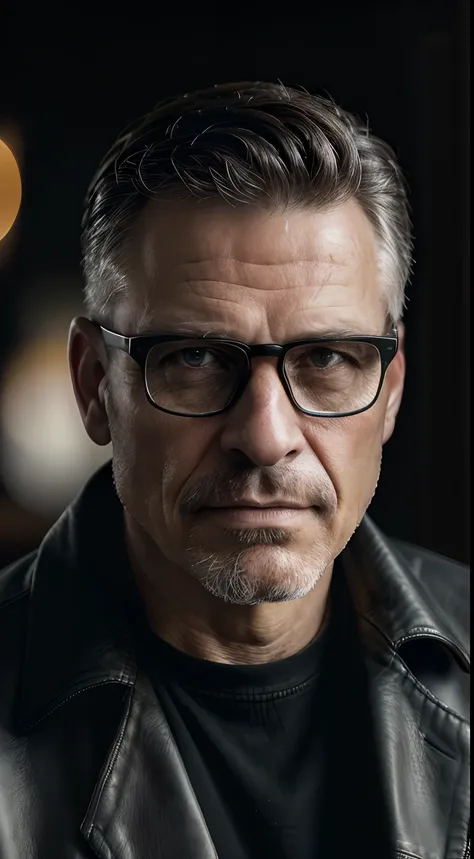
(260, 505)
(254, 515)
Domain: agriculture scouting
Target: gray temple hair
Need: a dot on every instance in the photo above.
(255, 144)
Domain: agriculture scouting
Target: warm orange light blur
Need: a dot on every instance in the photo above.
(10, 189)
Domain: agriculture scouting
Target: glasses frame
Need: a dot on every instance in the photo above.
(139, 346)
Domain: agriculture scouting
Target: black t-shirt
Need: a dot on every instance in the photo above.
(280, 755)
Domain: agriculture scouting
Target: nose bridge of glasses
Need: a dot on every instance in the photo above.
(265, 350)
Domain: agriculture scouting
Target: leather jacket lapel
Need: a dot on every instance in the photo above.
(423, 745)
(144, 805)
(423, 750)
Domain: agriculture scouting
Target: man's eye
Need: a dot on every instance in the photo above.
(196, 357)
(324, 358)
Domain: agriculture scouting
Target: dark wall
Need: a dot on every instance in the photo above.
(73, 84)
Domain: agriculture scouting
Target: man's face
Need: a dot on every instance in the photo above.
(259, 278)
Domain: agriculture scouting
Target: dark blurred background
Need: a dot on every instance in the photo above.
(68, 86)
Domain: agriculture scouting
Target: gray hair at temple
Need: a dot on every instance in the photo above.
(255, 144)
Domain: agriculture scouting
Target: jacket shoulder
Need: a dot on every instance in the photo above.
(15, 580)
(444, 582)
(438, 572)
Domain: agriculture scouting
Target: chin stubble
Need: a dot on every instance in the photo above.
(227, 574)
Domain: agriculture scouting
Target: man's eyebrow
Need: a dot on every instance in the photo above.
(187, 330)
(206, 331)
(338, 333)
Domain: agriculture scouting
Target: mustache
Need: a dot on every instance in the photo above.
(221, 489)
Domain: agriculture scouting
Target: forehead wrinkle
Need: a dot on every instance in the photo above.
(323, 278)
(244, 301)
(326, 258)
(290, 288)
(222, 299)
(215, 313)
(263, 275)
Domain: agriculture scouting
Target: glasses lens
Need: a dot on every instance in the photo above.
(191, 378)
(334, 377)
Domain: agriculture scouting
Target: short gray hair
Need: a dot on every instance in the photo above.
(259, 144)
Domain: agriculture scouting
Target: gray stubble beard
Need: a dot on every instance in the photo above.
(225, 574)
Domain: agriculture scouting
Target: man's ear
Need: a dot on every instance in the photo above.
(87, 364)
(394, 381)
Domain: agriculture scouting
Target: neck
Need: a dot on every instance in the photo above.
(183, 613)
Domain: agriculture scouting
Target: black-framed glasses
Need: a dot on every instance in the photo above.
(203, 376)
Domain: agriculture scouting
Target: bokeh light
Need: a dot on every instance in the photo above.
(46, 453)
(10, 189)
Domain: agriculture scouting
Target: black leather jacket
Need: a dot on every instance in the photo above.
(88, 766)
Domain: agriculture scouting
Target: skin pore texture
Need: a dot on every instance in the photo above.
(240, 585)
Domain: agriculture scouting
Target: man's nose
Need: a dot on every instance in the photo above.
(264, 425)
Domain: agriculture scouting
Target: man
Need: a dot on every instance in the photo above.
(215, 652)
